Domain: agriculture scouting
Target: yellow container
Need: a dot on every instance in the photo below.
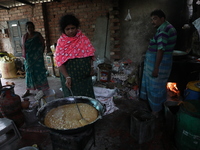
(193, 85)
(192, 91)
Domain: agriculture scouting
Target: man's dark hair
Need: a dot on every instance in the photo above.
(158, 12)
(68, 19)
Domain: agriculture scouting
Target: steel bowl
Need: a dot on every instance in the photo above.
(70, 100)
(29, 148)
(177, 54)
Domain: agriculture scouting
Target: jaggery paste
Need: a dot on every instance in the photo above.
(68, 117)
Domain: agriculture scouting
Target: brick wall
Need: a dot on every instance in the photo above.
(46, 17)
(32, 13)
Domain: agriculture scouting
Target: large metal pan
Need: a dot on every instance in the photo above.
(69, 100)
(177, 55)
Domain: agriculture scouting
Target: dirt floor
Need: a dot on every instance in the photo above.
(118, 130)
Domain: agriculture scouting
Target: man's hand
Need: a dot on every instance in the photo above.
(155, 73)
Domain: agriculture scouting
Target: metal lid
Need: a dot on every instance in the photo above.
(28, 148)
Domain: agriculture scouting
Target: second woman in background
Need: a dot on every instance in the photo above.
(74, 57)
(32, 50)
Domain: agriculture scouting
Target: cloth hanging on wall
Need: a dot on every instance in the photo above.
(128, 17)
(196, 24)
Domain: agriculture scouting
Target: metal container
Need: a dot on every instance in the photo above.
(187, 133)
(177, 55)
(104, 72)
(70, 100)
(171, 108)
(29, 148)
(192, 91)
(142, 125)
(10, 105)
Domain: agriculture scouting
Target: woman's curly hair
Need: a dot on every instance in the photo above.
(66, 20)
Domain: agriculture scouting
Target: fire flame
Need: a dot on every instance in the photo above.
(172, 86)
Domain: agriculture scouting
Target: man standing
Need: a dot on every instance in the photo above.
(158, 62)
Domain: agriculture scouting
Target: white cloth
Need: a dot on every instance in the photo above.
(196, 24)
(105, 96)
(103, 92)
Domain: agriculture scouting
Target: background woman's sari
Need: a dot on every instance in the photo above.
(36, 77)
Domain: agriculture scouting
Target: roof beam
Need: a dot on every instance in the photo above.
(4, 7)
(25, 2)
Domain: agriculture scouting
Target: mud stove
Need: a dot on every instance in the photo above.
(183, 71)
(83, 140)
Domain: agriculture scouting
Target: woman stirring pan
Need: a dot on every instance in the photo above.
(74, 57)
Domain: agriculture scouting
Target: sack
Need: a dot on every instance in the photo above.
(103, 92)
(108, 102)
(105, 96)
(8, 69)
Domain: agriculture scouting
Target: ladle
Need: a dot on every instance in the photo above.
(82, 121)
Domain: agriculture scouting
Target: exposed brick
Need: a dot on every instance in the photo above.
(86, 10)
(82, 6)
(115, 50)
(116, 57)
(117, 45)
(114, 20)
(115, 28)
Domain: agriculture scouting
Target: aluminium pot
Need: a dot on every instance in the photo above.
(177, 55)
(70, 100)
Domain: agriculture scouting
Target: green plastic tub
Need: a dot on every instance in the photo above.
(187, 135)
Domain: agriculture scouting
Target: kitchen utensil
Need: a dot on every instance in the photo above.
(177, 54)
(42, 112)
(29, 148)
(82, 121)
(186, 104)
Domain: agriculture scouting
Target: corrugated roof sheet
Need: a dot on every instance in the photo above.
(7, 4)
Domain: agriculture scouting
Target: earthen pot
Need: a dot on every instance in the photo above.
(25, 103)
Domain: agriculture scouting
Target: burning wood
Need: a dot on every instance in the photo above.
(172, 87)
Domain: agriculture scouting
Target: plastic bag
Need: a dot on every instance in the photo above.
(105, 96)
(8, 69)
(128, 17)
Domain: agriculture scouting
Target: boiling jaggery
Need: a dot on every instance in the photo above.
(68, 117)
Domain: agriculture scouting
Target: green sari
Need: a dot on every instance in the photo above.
(36, 77)
(79, 70)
